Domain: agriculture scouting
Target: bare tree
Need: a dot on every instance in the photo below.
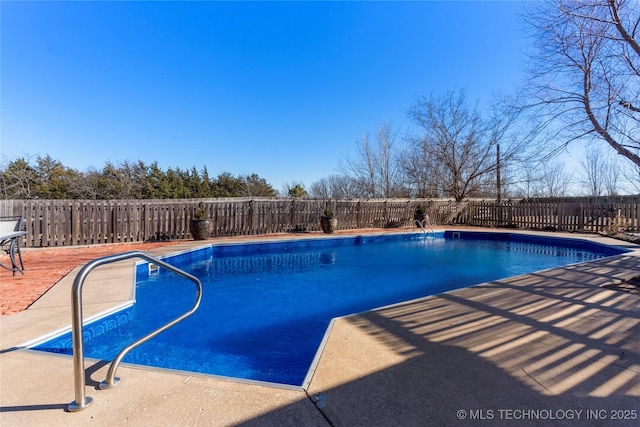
(594, 168)
(422, 172)
(91, 185)
(390, 181)
(362, 169)
(255, 186)
(376, 168)
(460, 144)
(119, 180)
(18, 179)
(555, 181)
(600, 173)
(335, 187)
(631, 176)
(321, 189)
(529, 182)
(612, 179)
(585, 73)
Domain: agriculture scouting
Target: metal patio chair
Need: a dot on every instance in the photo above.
(10, 234)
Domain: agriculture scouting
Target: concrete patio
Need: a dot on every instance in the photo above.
(554, 345)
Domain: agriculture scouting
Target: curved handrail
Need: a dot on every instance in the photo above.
(82, 401)
(421, 224)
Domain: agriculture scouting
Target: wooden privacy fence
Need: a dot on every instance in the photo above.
(609, 215)
(86, 222)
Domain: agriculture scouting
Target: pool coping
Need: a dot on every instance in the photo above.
(249, 402)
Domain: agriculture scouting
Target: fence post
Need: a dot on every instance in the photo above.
(251, 222)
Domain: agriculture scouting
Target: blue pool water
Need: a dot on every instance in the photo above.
(266, 306)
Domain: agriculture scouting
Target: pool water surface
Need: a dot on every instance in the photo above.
(266, 306)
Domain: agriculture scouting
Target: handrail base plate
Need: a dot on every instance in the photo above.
(104, 385)
(75, 407)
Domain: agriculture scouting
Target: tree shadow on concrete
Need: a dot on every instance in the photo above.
(553, 346)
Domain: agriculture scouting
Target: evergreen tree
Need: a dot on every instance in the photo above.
(257, 187)
(156, 185)
(297, 191)
(226, 185)
(52, 180)
(206, 183)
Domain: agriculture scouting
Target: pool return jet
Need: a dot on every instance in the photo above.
(82, 400)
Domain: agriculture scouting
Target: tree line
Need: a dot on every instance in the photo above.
(47, 178)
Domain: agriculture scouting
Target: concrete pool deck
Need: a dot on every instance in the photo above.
(554, 345)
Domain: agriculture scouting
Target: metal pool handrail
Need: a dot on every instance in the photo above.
(422, 227)
(82, 401)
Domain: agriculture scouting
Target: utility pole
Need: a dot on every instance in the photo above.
(498, 187)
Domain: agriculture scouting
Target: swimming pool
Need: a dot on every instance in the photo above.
(266, 306)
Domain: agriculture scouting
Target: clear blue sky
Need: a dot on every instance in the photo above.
(280, 89)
